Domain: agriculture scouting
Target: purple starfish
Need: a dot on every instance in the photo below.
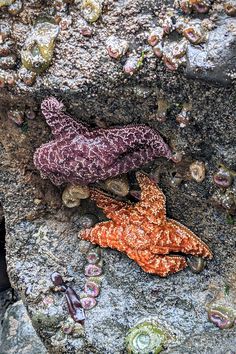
(82, 155)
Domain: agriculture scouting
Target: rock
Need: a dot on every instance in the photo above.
(214, 61)
(18, 334)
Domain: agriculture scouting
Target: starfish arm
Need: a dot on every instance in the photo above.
(135, 137)
(162, 265)
(152, 202)
(108, 204)
(104, 234)
(178, 238)
(127, 162)
(59, 122)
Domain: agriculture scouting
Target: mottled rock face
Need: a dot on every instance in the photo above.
(18, 334)
(87, 73)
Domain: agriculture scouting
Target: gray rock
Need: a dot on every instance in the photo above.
(214, 61)
(18, 334)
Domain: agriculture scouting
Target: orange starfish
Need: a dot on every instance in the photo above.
(143, 231)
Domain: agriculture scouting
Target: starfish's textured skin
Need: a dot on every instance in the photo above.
(143, 231)
(82, 155)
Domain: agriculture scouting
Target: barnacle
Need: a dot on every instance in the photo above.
(195, 34)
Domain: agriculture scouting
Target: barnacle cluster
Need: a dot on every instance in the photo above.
(225, 195)
(16, 115)
(173, 53)
(37, 52)
(199, 6)
(19, 115)
(8, 57)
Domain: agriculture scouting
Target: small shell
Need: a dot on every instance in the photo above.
(37, 52)
(196, 264)
(155, 36)
(176, 180)
(30, 114)
(8, 62)
(91, 10)
(2, 79)
(180, 48)
(177, 157)
(118, 185)
(185, 6)
(28, 77)
(5, 32)
(92, 270)
(88, 302)
(15, 8)
(197, 171)
(72, 195)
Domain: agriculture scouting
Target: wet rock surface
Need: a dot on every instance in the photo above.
(42, 233)
(18, 334)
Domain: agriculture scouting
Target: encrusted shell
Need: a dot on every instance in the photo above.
(146, 337)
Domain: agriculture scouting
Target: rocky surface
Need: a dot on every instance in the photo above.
(18, 335)
(42, 234)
